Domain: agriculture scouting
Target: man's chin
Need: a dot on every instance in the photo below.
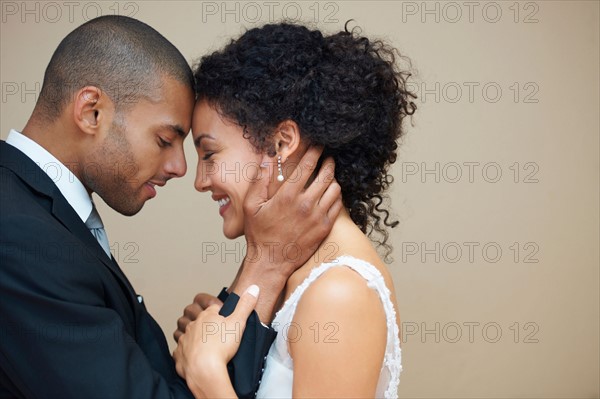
(129, 209)
(130, 213)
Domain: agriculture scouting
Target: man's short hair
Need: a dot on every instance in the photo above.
(122, 56)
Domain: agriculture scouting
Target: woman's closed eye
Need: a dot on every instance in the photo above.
(208, 155)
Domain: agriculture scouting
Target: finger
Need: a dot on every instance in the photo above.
(332, 193)
(192, 311)
(177, 357)
(324, 179)
(258, 190)
(207, 315)
(176, 335)
(245, 306)
(182, 323)
(335, 209)
(327, 171)
(303, 170)
(205, 300)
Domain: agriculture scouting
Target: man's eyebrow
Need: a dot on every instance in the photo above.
(198, 139)
(179, 130)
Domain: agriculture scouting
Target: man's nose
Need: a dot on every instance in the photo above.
(176, 165)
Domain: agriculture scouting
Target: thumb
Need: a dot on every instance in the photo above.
(245, 305)
(258, 191)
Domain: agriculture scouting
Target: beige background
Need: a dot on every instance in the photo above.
(522, 322)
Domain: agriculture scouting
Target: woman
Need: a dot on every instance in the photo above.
(264, 99)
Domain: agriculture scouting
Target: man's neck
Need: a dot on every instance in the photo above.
(54, 138)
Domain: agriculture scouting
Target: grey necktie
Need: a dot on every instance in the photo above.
(94, 223)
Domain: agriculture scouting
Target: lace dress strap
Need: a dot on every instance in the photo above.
(392, 364)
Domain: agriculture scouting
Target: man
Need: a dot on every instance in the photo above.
(114, 109)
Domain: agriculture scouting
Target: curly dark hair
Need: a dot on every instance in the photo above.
(344, 91)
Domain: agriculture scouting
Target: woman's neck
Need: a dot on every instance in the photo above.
(334, 244)
(345, 238)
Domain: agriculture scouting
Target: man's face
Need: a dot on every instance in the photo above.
(142, 149)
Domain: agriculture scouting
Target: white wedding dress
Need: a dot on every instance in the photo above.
(278, 377)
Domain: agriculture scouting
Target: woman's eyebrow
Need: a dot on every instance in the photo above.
(198, 139)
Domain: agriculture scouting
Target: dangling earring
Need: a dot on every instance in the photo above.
(280, 175)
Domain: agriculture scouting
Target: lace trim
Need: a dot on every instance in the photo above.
(393, 354)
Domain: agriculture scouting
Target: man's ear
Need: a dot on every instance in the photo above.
(287, 139)
(90, 108)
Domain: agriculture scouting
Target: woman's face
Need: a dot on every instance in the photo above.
(227, 162)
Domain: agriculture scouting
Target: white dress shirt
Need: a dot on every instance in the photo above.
(68, 184)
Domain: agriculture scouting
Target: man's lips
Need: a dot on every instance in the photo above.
(151, 187)
(158, 183)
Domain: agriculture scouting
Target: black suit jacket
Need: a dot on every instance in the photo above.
(70, 322)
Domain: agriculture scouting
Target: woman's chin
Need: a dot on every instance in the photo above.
(232, 234)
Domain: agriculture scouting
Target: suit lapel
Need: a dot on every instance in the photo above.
(65, 214)
(31, 174)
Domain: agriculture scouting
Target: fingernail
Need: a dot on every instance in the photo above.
(253, 290)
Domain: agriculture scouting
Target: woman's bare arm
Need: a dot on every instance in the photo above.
(343, 337)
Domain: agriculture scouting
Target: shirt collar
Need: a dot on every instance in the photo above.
(68, 184)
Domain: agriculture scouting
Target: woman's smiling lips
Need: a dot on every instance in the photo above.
(224, 202)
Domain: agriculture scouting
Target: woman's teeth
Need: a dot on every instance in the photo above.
(223, 202)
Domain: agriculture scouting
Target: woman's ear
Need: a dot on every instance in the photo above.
(287, 139)
(90, 108)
